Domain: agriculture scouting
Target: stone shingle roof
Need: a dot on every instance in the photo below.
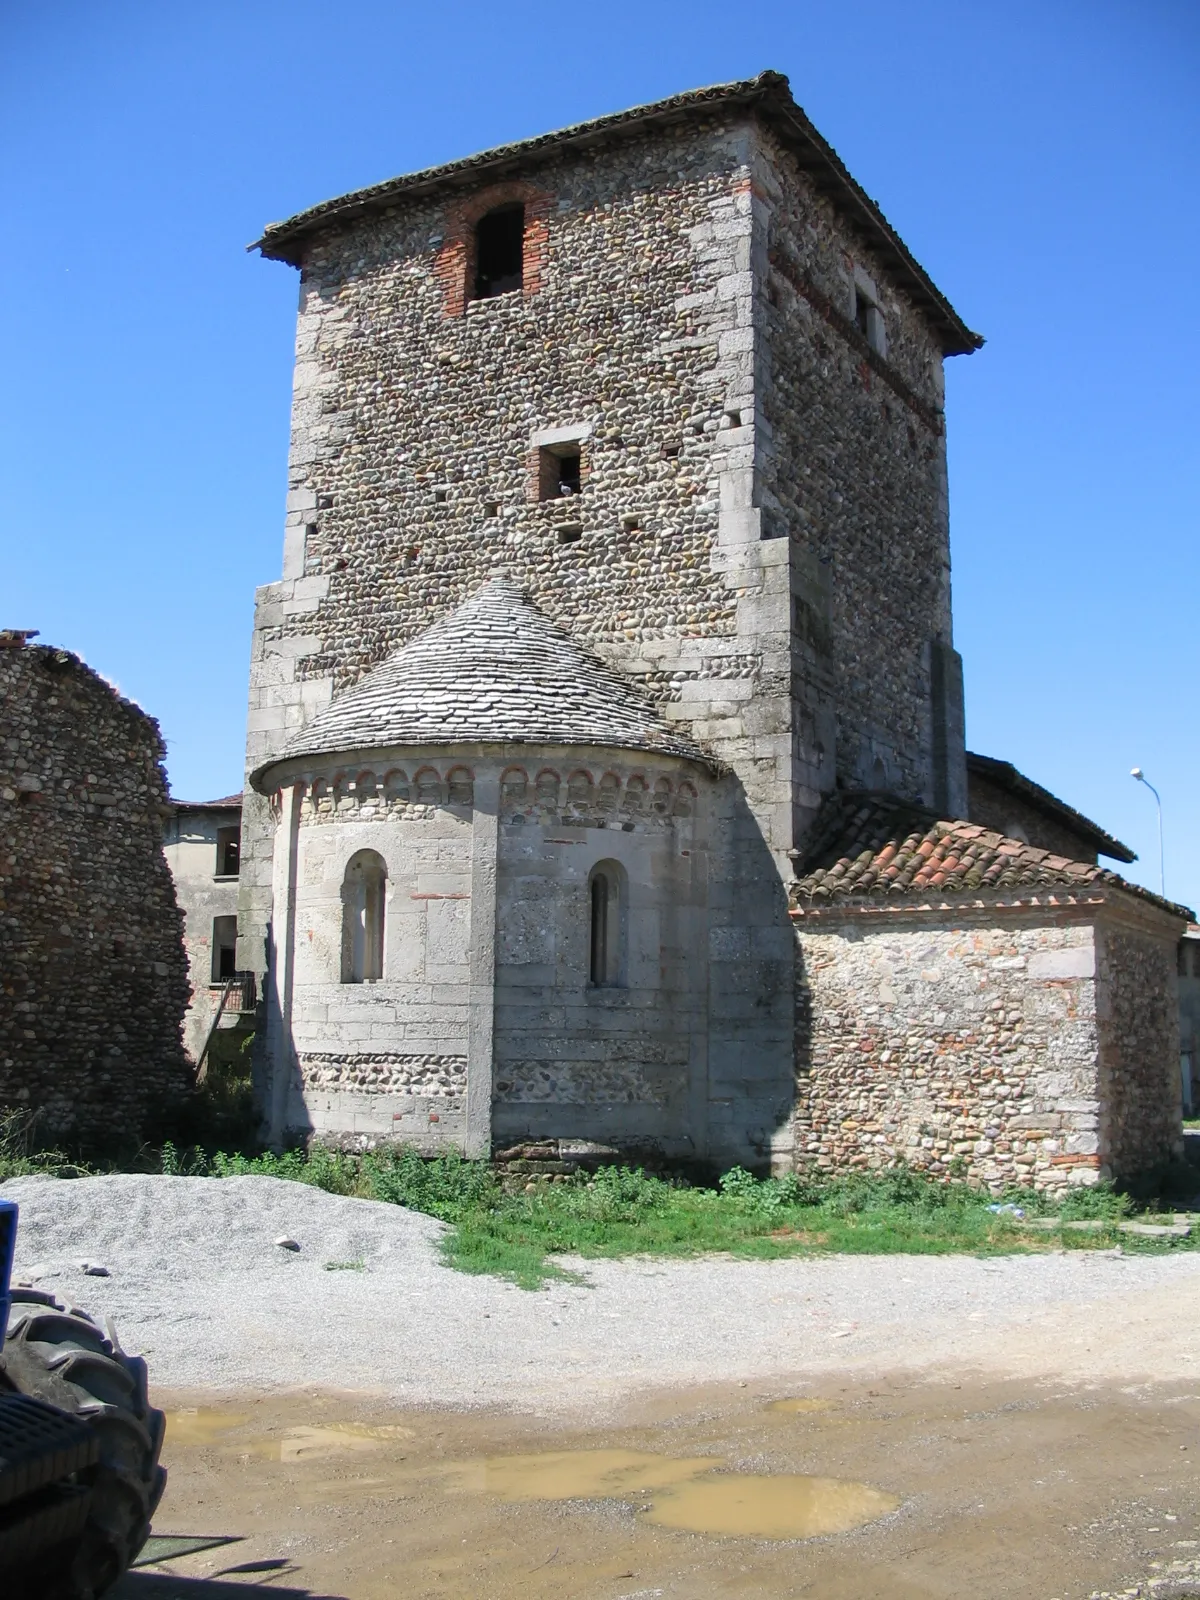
(768, 95)
(872, 848)
(1005, 776)
(495, 670)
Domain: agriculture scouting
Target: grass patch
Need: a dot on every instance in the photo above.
(622, 1211)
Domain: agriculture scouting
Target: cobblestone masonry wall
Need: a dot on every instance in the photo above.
(93, 978)
(971, 1050)
(1139, 1050)
(852, 464)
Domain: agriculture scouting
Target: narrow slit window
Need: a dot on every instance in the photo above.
(499, 252)
(606, 923)
(363, 910)
(868, 319)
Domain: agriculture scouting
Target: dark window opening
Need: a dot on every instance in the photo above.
(560, 472)
(868, 319)
(499, 252)
(671, 451)
(733, 419)
(599, 949)
(224, 948)
(631, 523)
(606, 930)
(491, 509)
(229, 850)
(569, 533)
(440, 496)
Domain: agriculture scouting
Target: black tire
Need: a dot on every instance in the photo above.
(59, 1354)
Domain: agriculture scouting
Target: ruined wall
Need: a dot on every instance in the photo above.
(92, 969)
(852, 466)
(1140, 1089)
(994, 807)
(969, 1050)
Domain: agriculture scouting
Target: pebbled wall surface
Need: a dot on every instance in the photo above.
(93, 977)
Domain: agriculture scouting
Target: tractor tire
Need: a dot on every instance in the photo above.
(59, 1354)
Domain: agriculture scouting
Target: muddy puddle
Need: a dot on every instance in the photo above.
(681, 1492)
(894, 1489)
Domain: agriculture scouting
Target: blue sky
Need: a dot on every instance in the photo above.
(1039, 159)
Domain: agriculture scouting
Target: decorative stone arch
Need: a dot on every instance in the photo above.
(636, 791)
(343, 796)
(580, 790)
(662, 797)
(609, 793)
(514, 787)
(364, 906)
(608, 894)
(395, 786)
(428, 786)
(366, 787)
(685, 800)
(547, 788)
(460, 786)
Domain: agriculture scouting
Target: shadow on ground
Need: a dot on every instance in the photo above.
(162, 1586)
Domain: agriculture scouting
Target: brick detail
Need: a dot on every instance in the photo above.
(454, 265)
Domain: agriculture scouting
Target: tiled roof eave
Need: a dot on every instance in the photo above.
(769, 94)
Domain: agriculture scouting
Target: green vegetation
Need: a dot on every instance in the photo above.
(622, 1211)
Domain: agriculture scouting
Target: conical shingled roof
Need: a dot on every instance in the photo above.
(495, 670)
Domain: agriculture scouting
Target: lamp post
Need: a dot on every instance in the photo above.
(1136, 772)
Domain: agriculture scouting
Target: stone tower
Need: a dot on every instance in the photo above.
(674, 377)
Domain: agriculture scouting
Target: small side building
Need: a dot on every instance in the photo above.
(92, 968)
(978, 1006)
(203, 850)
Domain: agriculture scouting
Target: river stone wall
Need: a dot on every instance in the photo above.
(1030, 1050)
(92, 964)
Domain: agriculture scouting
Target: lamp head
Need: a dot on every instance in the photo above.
(1136, 772)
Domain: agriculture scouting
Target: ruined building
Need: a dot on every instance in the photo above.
(615, 610)
(93, 980)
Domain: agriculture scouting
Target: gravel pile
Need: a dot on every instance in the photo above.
(198, 1283)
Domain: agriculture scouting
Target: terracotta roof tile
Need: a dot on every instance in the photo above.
(872, 847)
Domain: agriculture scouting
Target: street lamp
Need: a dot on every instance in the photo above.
(1136, 772)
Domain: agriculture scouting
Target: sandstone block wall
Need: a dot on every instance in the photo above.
(93, 978)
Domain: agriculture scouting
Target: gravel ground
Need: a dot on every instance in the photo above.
(198, 1284)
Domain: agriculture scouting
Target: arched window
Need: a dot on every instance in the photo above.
(606, 926)
(499, 251)
(363, 903)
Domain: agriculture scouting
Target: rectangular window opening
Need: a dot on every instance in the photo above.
(224, 948)
(560, 471)
(229, 850)
(500, 252)
(571, 533)
(491, 508)
(868, 319)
